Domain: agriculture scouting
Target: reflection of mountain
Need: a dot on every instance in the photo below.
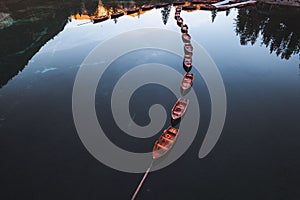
(34, 23)
(107, 8)
(278, 26)
(27, 25)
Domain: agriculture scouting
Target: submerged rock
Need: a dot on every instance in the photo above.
(5, 20)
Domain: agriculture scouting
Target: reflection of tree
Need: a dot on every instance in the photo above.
(227, 12)
(165, 12)
(213, 15)
(277, 25)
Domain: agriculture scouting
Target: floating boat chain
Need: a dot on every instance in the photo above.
(184, 30)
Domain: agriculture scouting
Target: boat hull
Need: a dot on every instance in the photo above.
(147, 7)
(184, 28)
(132, 11)
(187, 81)
(179, 21)
(165, 142)
(116, 15)
(161, 5)
(179, 108)
(208, 7)
(186, 38)
(100, 19)
(178, 3)
(188, 49)
(190, 7)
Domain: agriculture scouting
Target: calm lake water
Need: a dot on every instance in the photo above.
(256, 50)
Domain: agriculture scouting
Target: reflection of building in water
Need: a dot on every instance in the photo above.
(107, 8)
(279, 29)
(110, 7)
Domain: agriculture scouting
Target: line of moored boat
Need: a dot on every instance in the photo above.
(169, 135)
(187, 6)
(167, 139)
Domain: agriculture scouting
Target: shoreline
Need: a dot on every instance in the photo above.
(294, 3)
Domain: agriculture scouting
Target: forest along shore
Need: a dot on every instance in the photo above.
(282, 2)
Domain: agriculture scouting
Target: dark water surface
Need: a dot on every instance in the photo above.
(41, 156)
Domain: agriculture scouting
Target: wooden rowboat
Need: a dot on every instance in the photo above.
(199, 1)
(186, 38)
(160, 148)
(246, 4)
(189, 7)
(178, 9)
(187, 63)
(165, 142)
(100, 19)
(187, 81)
(184, 28)
(207, 7)
(188, 49)
(178, 3)
(147, 7)
(177, 15)
(179, 108)
(204, 1)
(235, 1)
(116, 15)
(223, 7)
(132, 10)
(160, 5)
(179, 21)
